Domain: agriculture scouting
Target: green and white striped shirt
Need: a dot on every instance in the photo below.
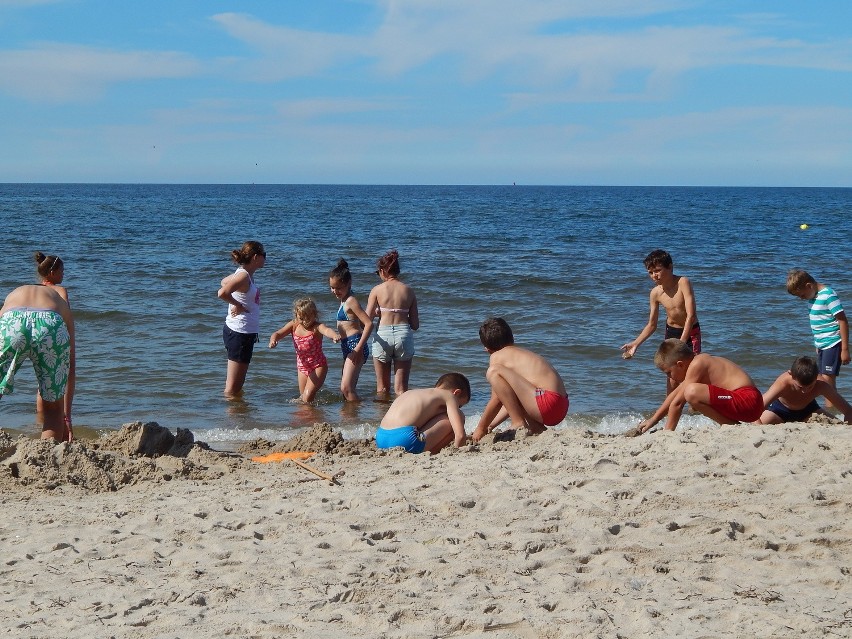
(823, 310)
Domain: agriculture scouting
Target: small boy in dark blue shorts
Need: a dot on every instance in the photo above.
(792, 397)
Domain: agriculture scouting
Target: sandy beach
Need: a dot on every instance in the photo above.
(725, 531)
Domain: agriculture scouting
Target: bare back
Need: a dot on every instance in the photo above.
(395, 302)
(417, 407)
(717, 371)
(37, 297)
(531, 366)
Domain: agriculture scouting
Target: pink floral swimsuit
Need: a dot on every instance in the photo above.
(309, 355)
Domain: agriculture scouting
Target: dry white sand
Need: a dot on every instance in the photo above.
(729, 531)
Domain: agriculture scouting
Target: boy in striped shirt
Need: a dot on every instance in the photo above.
(828, 323)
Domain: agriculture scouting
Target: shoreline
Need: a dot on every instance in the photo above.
(734, 530)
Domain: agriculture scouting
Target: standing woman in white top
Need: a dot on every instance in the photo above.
(242, 323)
(395, 304)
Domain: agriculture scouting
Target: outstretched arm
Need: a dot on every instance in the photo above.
(831, 394)
(456, 418)
(281, 332)
(630, 347)
(329, 333)
(774, 391)
(492, 410)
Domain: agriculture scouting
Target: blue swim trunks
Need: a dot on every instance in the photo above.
(789, 415)
(348, 344)
(405, 436)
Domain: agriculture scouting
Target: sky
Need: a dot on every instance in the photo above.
(561, 92)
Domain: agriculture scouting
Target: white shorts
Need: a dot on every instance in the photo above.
(393, 342)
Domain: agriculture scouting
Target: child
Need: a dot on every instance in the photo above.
(307, 332)
(524, 386)
(354, 327)
(427, 419)
(674, 293)
(51, 270)
(792, 397)
(703, 381)
(395, 303)
(828, 323)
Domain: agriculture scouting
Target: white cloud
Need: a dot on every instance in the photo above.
(59, 72)
(527, 44)
(288, 52)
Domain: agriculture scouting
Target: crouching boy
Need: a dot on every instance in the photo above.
(713, 386)
(792, 397)
(427, 419)
(525, 387)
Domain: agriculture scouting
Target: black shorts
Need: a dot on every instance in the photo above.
(828, 360)
(240, 346)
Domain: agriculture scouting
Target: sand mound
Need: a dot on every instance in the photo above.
(136, 453)
(321, 438)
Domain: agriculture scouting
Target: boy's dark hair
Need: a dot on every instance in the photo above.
(671, 351)
(797, 279)
(452, 381)
(804, 370)
(658, 257)
(495, 334)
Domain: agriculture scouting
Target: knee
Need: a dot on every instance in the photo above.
(691, 393)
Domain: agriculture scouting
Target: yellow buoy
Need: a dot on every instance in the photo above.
(804, 227)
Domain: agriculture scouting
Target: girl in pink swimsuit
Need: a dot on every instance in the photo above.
(307, 333)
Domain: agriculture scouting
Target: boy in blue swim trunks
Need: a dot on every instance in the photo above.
(792, 397)
(36, 324)
(525, 387)
(427, 419)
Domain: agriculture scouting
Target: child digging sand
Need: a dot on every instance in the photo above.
(792, 397)
(427, 419)
(524, 386)
(703, 381)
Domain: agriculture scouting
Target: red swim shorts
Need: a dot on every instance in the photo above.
(552, 406)
(741, 405)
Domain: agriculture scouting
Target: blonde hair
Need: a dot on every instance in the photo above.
(305, 310)
(797, 279)
(671, 351)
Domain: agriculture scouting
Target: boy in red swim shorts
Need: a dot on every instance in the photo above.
(525, 387)
(714, 386)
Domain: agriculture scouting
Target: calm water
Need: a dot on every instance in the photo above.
(563, 265)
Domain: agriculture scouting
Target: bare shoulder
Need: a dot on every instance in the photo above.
(683, 283)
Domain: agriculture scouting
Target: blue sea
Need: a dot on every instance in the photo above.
(563, 265)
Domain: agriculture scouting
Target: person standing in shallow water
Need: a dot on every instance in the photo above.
(242, 322)
(354, 326)
(36, 324)
(51, 272)
(396, 306)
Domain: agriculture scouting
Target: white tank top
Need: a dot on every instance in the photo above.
(246, 322)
